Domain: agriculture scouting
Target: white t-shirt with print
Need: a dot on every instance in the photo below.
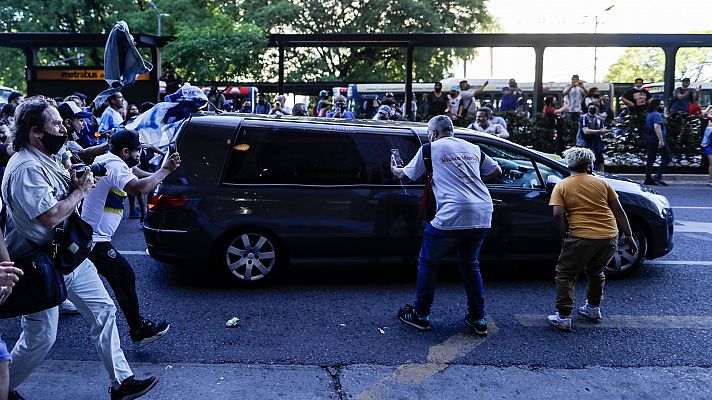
(463, 201)
(574, 98)
(103, 207)
(454, 103)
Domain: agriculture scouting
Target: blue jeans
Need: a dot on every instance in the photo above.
(437, 244)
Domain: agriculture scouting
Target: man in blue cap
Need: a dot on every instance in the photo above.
(323, 102)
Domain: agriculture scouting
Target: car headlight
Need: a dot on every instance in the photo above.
(661, 202)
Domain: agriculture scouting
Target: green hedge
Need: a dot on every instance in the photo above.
(624, 147)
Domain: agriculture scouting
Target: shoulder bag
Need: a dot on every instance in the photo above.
(428, 205)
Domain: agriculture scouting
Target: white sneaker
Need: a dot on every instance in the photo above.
(67, 307)
(590, 312)
(561, 323)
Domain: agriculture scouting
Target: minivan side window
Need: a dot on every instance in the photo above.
(276, 155)
(517, 169)
(376, 152)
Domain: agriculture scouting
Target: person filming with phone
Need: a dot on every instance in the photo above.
(279, 108)
(462, 219)
(339, 110)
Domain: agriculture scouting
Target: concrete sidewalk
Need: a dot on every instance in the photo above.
(58, 379)
(675, 179)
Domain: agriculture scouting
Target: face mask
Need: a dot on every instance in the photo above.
(592, 112)
(638, 87)
(438, 90)
(661, 109)
(52, 143)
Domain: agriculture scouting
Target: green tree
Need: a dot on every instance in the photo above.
(649, 63)
(83, 16)
(366, 16)
(219, 50)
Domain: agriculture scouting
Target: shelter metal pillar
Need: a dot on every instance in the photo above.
(669, 75)
(280, 84)
(409, 82)
(538, 99)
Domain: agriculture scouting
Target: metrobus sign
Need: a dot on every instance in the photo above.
(76, 75)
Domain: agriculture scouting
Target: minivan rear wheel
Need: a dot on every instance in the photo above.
(251, 256)
(624, 262)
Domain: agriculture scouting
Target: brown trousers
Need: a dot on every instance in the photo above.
(582, 255)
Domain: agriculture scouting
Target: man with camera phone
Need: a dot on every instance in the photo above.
(39, 194)
(103, 209)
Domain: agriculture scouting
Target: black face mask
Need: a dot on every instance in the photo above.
(661, 109)
(52, 143)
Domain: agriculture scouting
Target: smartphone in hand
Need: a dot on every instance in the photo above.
(397, 157)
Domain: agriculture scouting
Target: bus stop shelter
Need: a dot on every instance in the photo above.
(669, 43)
(61, 81)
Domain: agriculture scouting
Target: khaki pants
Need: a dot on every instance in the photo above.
(582, 255)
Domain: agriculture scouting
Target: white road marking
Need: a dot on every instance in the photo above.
(626, 321)
(133, 253)
(693, 226)
(691, 208)
(676, 262)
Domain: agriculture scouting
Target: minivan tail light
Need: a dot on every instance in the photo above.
(162, 202)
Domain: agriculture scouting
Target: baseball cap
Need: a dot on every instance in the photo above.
(80, 95)
(455, 88)
(70, 109)
(125, 139)
(323, 93)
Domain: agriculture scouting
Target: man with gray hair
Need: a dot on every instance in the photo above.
(40, 194)
(587, 213)
(462, 219)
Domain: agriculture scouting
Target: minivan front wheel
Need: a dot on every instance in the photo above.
(624, 262)
(251, 256)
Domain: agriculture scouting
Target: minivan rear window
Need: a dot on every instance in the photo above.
(277, 155)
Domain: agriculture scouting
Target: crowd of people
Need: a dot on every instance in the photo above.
(60, 159)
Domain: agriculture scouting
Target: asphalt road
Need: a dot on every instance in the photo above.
(340, 317)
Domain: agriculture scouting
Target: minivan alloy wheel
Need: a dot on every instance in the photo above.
(624, 262)
(250, 256)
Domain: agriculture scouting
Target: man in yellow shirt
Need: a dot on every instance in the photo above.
(587, 213)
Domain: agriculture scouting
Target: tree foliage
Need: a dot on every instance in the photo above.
(649, 63)
(221, 39)
(366, 16)
(220, 50)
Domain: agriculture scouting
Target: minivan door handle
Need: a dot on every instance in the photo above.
(496, 202)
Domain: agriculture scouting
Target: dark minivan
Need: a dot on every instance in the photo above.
(256, 193)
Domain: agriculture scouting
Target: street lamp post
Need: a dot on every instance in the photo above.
(158, 15)
(595, 48)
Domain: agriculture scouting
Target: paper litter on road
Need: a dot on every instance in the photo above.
(382, 331)
(342, 324)
(232, 322)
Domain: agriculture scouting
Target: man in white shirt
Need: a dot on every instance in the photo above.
(573, 96)
(454, 100)
(111, 117)
(483, 124)
(103, 209)
(462, 219)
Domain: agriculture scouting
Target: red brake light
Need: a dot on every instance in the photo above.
(162, 202)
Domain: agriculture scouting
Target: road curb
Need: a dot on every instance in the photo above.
(70, 379)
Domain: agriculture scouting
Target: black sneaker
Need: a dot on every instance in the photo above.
(478, 325)
(149, 332)
(650, 182)
(132, 388)
(408, 315)
(14, 395)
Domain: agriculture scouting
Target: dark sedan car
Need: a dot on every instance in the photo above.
(255, 194)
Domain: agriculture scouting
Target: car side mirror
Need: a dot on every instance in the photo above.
(551, 181)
